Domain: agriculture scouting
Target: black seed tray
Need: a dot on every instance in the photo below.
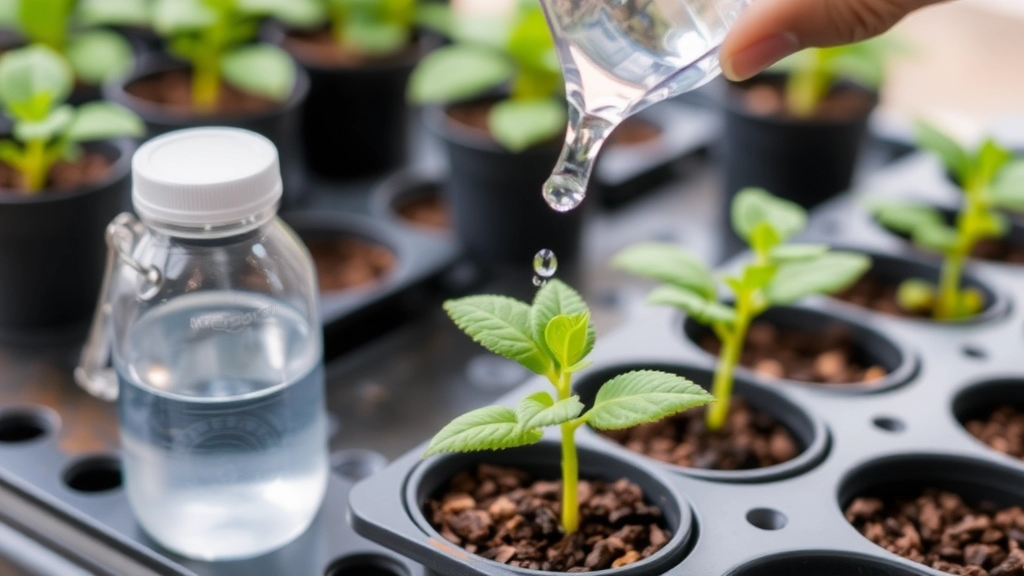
(786, 520)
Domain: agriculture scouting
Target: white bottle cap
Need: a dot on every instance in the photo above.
(205, 177)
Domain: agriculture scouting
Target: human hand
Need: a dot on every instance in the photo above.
(770, 30)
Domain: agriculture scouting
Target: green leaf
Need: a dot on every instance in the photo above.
(916, 295)
(436, 16)
(488, 428)
(45, 129)
(540, 410)
(99, 55)
(696, 306)
(113, 12)
(171, 17)
(988, 161)
(969, 302)
(10, 153)
(757, 276)
(643, 396)
(9, 14)
(501, 325)
(260, 69)
(458, 72)
(1008, 189)
(375, 38)
(104, 120)
(556, 298)
(752, 206)
(905, 217)
(33, 80)
(991, 225)
(764, 237)
(566, 338)
(667, 263)
(296, 13)
(46, 21)
(825, 274)
(948, 150)
(938, 237)
(794, 252)
(520, 124)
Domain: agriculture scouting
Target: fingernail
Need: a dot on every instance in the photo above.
(758, 56)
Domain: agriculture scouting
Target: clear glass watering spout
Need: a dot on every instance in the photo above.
(619, 57)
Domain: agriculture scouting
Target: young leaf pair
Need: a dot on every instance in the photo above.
(489, 54)
(779, 274)
(71, 28)
(366, 27)
(552, 338)
(216, 36)
(34, 83)
(990, 180)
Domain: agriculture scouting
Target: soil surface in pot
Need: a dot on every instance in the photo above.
(429, 209)
(999, 250)
(349, 262)
(90, 167)
(938, 529)
(876, 294)
(173, 90)
(1002, 430)
(823, 357)
(320, 48)
(505, 515)
(768, 98)
(749, 439)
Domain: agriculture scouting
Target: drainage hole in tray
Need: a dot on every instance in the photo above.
(94, 474)
(366, 566)
(22, 426)
(357, 463)
(974, 351)
(889, 424)
(767, 519)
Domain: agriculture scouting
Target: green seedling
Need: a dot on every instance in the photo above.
(779, 274)
(990, 180)
(488, 55)
(367, 27)
(34, 83)
(553, 338)
(216, 37)
(73, 28)
(811, 74)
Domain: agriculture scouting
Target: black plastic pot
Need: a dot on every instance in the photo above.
(279, 124)
(499, 212)
(401, 188)
(871, 347)
(52, 252)
(425, 479)
(355, 121)
(807, 430)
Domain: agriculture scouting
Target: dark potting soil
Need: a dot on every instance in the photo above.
(769, 99)
(1002, 430)
(749, 439)
(90, 167)
(824, 357)
(429, 210)
(173, 90)
(320, 48)
(876, 294)
(999, 250)
(938, 529)
(505, 515)
(348, 262)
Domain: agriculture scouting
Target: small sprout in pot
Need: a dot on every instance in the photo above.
(487, 56)
(367, 28)
(34, 83)
(779, 274)
(990, 180)
(216, 37)
(552, 338)
(73, 29)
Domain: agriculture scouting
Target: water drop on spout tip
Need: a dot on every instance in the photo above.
(545, 264)
(563, 192)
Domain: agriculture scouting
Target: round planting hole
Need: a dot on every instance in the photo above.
(18, 427)
(366, 566)
(356, 463)
(889, 424)
(767, 519)
(974, 351)
(94, 474)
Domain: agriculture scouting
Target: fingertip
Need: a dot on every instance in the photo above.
(742, 64)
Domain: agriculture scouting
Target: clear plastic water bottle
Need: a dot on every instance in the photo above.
(209, 314)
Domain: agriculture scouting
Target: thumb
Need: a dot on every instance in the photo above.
(770, 30)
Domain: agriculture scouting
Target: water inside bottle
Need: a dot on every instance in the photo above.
(222, 424)
(620, 56)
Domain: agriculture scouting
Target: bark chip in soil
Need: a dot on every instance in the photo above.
(1002, 430)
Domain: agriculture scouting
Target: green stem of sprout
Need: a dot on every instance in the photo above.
(732, 348)
(947, 303)
(570, 461)
(206, 68)
(34, 165)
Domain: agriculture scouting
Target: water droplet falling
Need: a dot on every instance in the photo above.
(545, 263)
(538, 281)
